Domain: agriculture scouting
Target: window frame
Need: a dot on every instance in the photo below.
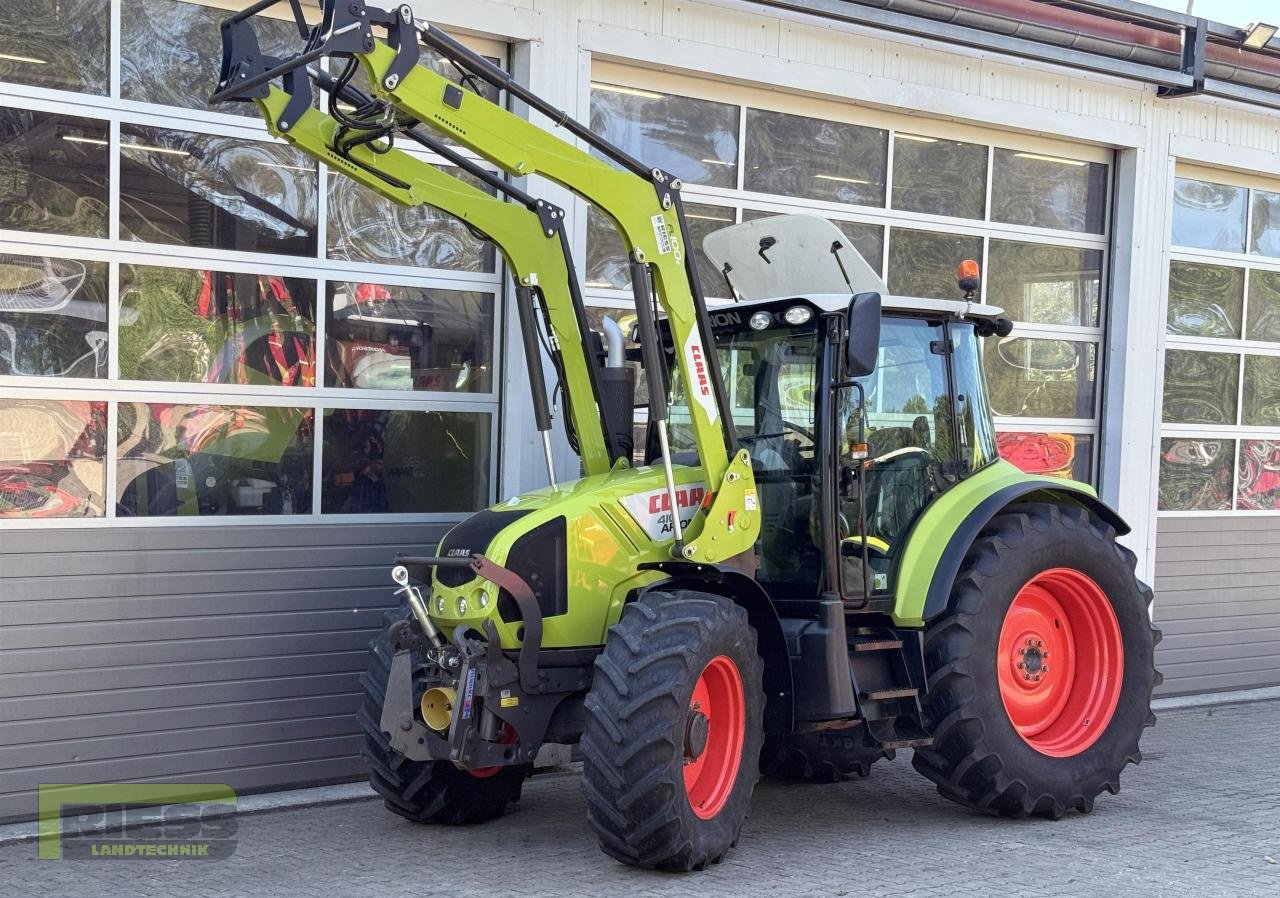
(114, 112)
(888, 218)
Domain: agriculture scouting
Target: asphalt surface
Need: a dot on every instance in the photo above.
(1200, 817)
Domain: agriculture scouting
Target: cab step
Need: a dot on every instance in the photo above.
(888, 678)
(877, 645)
(886, 694)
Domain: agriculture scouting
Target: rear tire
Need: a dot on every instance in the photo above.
(1019, 730)
(653, 798)
(425, 791)
(830, 756)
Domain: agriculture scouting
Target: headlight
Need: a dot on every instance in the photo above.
(439, 604)
(760, 320)
(462, 607)
(798, 314)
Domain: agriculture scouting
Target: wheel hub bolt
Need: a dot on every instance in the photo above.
(1021, 665)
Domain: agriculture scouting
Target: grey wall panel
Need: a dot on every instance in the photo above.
(1218, 602)
(188, 654)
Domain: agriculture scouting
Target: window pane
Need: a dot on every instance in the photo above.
(607, 257)
(220, 192)
(404, 461)
(1264, 306)
(923, 263)
(53, 317)
(810, 158)
(1200, 387)
(1045, 284)
(1261, 406)
(1033, 378)
(211, 460)
(695, 140)
(364, 226)
(1049, 192)
(52, 458)
(62, 44)
(216, 327)
(384, 337)
(939, 177)
(1258, 486)
(1068, 455)
(53, 173)
(1207, 215)
(1195, 474)
(1266, 223)
(170, 52)
(867, 239)
(1205, 300)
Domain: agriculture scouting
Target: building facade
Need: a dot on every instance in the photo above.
(234, 385)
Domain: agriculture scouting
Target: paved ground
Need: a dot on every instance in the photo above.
(1199, 818)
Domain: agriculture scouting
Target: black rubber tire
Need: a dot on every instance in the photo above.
(829, 756)
(633, 742)
(978, 759)
(424, 791)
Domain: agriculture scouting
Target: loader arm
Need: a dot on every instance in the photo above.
(643, 203)
(530, 245)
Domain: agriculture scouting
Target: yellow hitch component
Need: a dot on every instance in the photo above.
(437, 707)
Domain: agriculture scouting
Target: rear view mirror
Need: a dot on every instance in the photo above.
(862, 346)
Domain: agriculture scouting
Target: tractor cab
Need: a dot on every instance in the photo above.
(858, 408)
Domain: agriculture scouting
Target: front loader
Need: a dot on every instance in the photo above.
(819, 558)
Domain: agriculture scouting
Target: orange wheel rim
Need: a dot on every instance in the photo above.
(719, 699)
(1060, 662)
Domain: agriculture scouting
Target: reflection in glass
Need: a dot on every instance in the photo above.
(1200, 387)
(1258, 485)
(364, 226)
(1261, 393)
(939, 177)
(404, 461)
(1045, 284)
(1195, 474)
(607, 257)
(216, 327)
(205, 190)
(60, 44)
(1264, 306)
(867, 239)
(1035, 378)
(52, 458)
(923, 263)
(1049, 192)
(212, 460)
(170, 52)
(53, 173)
(1208, 215)
(1205, 300)
(1266, 223)
(695, 140)
(53, 317)
(815, 159)
(385, 337)
(1067, 455)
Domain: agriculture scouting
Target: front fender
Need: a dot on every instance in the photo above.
(937, 543)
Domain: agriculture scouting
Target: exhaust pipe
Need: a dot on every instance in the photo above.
(437, 707)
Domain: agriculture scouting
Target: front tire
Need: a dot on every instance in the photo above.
(425, 791)
(1040, 673)
(673, 731)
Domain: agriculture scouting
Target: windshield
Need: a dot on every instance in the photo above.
(770, 377)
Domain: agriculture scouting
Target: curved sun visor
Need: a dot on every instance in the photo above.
(790, 255)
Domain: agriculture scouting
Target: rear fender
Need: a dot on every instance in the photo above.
(942, 536)
(742, 590)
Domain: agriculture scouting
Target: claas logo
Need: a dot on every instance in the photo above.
(688, 497)
(700, 369)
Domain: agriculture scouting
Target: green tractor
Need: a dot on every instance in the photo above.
(809, 557)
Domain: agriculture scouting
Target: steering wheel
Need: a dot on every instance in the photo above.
(787, 425)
